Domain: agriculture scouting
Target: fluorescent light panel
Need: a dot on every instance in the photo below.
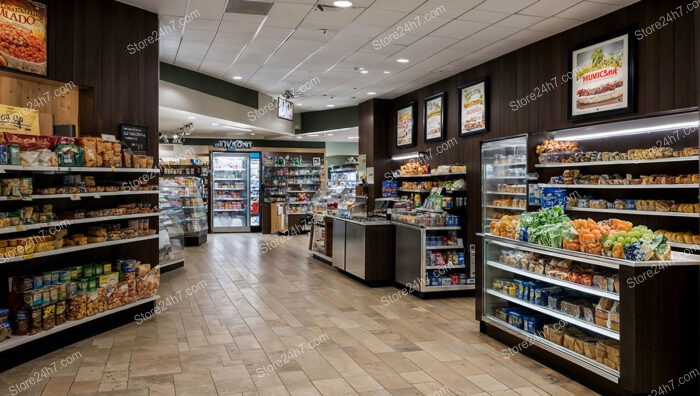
(633, 127)
(415, 154)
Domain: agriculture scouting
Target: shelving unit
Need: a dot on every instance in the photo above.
(143, 248)
(412, 266)
(642, 328)
(344, 176)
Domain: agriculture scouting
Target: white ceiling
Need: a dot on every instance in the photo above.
(287, 50)
(173, 119)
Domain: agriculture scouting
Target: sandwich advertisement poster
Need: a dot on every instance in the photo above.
(602, 83)
(23, 36)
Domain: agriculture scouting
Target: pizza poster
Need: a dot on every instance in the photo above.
(601, 81)
(23, 36)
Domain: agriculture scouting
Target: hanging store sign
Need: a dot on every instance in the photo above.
(233, 145)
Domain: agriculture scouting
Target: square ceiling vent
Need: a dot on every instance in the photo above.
(251, 7)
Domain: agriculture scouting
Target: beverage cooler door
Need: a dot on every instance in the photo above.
(230, 192)
(255, 181)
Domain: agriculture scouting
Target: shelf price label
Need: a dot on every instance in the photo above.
(97, 196)
(19, 228)
(28, 256)
(75, 197)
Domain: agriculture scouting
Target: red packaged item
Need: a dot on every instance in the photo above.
(27, 142)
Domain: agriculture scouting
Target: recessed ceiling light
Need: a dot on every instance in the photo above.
(300, 137)
(191, 118)
(252, 134)
(329, 134)
(387, 72)
(312, 135)
(298, 104)
(342, 3)
(237, 77)
(353, 137)
(402, 60)
(371, 93)
(214, 124)
(330, 105)
(364, 71)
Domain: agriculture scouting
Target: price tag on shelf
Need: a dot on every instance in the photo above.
(28, 256)
(13, 198)
(75, 197)
(2, 170)
(27, 198)
(97, 196)
(19, 228)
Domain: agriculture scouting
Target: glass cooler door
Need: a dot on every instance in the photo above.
(255, 181)
(230, 201)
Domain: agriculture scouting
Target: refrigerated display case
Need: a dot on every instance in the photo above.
(503, 178)
(186, 193)
(235, 192)
(171, 253)
(343, 176)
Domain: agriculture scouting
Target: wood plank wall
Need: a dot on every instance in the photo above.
(88, 45)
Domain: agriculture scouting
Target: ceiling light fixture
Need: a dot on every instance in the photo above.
(364, 71)
(415, 154)
(237, 77)
(342, 3)
(387, 72)
(330, 105)
(252, 134)
(353, 137)
(329, 134)
(300, 137)
(191, 118)
(214, 124)
(403, 60)
(371, 93)
(237, 128)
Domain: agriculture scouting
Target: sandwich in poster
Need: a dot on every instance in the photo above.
(601, 78)
(473, 115)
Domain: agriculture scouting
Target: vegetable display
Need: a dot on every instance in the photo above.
(612, 238)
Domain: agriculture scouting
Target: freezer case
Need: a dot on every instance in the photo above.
(230, 192)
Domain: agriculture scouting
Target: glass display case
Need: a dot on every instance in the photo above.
(343, 176)
(188, 191)
(172, 237)
(326, 201)
(504, 178)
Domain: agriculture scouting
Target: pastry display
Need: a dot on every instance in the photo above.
(574, 176)
(568, 152)
(510, 202)
(412, 168)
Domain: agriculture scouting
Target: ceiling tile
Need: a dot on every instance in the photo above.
(520, 21)
(207, 9)
(548, 8)
(510, 6)
(494, 33)
(459, 29)
(554, 25)
(587, 10)
(362, 30)
(232, 38)
(238, 27)
(245, 18)
(447, 7)
(529, 36)
(399, 5)
(203, 24)
(283, 22)
(380, 17)
(483, 16)
(198, 35)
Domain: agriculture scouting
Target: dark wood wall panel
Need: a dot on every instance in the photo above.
(88, 45)
(668, 78)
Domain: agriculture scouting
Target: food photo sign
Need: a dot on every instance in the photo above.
(406, 126)
(473, 108)
(23, 36)
(603, 82)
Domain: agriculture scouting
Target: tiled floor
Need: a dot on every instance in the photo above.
(283, 323)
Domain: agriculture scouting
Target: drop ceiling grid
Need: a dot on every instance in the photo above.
(468, 31)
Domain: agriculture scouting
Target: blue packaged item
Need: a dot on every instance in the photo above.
(531, 324)
(515, 319)
(3, 154)
(552, 196)
(523, 234)
(519, 289)
(460, 258)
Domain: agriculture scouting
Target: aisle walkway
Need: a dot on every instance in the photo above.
(279, 323)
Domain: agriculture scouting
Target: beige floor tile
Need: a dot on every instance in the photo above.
(334, 387)
(259, 307)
